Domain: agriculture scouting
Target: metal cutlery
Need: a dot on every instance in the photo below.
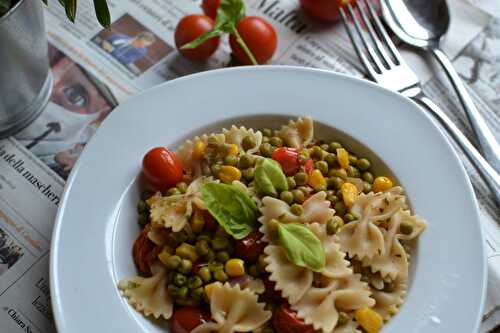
(385, 66)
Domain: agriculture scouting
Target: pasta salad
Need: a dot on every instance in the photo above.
(269, 231)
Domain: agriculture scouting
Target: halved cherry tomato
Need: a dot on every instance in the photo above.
(190, 28)
(309, 166)
(210, 7)
(285, 321)
(288, 158)
(187, 318)
(250, 247)
(161, 168)
(141, 251)
(326, 10)
(260, 37)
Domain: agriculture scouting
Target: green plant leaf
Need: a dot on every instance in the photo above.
(301, 246)
(230, 11)
(233, 209)
(200, 40)
(70, 6)
(102, 12)
(269, 179)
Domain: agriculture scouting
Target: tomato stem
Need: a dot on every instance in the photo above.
(244, 46)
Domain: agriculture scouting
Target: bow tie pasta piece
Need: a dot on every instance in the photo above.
(362, 238)
(149, 295)
(292, 280)
(192, 152)
(299, 133)
(234, 310)
(387, 303)
(320, 306)
(317, 209)
(235, 135)
(174, 211)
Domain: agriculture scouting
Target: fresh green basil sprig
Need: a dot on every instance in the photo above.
(269, 179)
(301, 246)
(233, 209)
(229, 14)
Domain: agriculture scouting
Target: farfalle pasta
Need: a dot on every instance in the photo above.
(262, 230)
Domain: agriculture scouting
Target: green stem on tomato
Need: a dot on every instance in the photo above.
(244, 46)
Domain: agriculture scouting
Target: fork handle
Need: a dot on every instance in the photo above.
(488, 144)
(489, 175)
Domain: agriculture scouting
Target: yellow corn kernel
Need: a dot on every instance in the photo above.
(165, 253)
(209, 289)
(198, 149)
(232, 149)
(381, 184)
(228, 174)
(235, 267)
(187, 251)
(349, 193)
(343, 158)
(316, 179)
(370, 320)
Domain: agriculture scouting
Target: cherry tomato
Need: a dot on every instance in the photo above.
(161, 168)
(210, 7)
(187, 318)
(288, 159)
(309, 166)
(326, 10)
(190, 28)
(250, 247)
(285, 321)
(259, 36)
(141, 251)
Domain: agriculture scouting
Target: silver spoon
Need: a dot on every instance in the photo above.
(423, 24)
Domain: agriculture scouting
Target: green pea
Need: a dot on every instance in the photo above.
(337, 182)
(291, 183)
(324, 146)
(215, 168)
(231, 160)
(215, 266)
(353, 172)
(332, 148)
(341, 173)
(301, 178)
(248, 142)
(246, 161)
(349, 217)
(352, 158)
(267, 132)
(185, 267)
(219, 243)
(340, 208)
(406, 228)
(367, 177)
(180, 236)
(287, 197)
(194, 282)
(317, 153)
(172, 290)
(320, 188)
(204, 274)
(331, 159)
(143, 219)
(343, 319)
(182, 292)
(333, 198)
(266, 149)
(222, 256)
(210, 256)
(298, 196)
(173, 191)
(222, 149)
(220, 275)
(367, 187)
(204, 235)
(363, 164)
(265, 139)
(330, 182)
(297, 209)
(303, 156)
(212, 141)
(179, 280)
(276, 141)
(142, 207)
(202, 247)
(334, 225)
(304, 189)
(254, 271)
(173, 262)
(197, 293)
(248, 174)
(182, 187)
(322, 166)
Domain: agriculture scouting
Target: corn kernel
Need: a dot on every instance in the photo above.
(198, 149)
(343, 158)
(349, 193)
(232, 149)
(187, 251)
(197, 221)
(209, 289)
(370, 320)
(165, 253)
(228, 174)
(235, 267)
(381, 184)
(316, 179)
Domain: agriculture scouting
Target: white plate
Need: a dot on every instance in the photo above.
(96, 224)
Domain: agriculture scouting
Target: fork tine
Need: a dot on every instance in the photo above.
(375, 39)
(371, 52)
(364, 60)
(385, 36)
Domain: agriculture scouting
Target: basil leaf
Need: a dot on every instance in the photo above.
(232, 208)
(269, 179)
(301, 246)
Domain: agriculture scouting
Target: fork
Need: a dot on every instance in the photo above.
(385, 66)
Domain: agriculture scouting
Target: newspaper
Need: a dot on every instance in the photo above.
(95, 69)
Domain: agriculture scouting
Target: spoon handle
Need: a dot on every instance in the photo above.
(488, 143)
(485, 170)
